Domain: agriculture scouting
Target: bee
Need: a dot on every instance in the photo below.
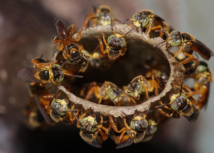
(182, 104)
(96, 60)
(186, 42)
(90, 129)
(115, 45)
(203, 78)
(151, 129)
(132, 133)
(60, 110)
(107, 91)
(42, 97)
(44, 73)
(101, 16)
(64, 37)
(78, 55)
(141, 85)
(145, 19)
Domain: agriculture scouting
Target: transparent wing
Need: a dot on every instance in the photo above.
(42, 110)
(28, 75)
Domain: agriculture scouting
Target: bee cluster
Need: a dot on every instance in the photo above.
(129, 114)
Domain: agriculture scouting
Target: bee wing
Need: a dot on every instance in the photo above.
(89, 139)
(205, 102)
(201, 49)
(125, 144)
(158, 20)
(28, 75)
(139, 137)
(42, 110)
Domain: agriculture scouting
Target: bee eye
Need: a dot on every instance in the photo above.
(201, 68)
(44, 75)
(174, 106)
(75, 54)
(58, 75)
(139, 88)
(145, 21)
(111, 94)
(123, 42)
(110, 39)
(175, 43)
(132, 124)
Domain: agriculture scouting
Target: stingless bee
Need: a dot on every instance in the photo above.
(151, 129)
(132, 133)
(91, 131)
(44, 73)
(141, 85)
(107, 91)
(42, 98)
(64, 37)
(203, 78)
(78, 56)
(60, 110)
(102, 16)
(145, 19)
(182, 103)
(186, 42)
(115, 45)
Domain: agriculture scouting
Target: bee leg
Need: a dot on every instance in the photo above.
(179, 50)
(89, 17)
(71, 29)
(154, 85)
(132, 99)
(104, 40)
(60, 47)
(190, 57)
(164, 113)
(90, 92)
(103, 135)
(120, 139)
(164, 106)
(125, 123)
(123, 51)
(114, 126)
(147, 92)
(70, 116)
(79, 36)
(148, 29)
(159, 27)
(56, 40)
(101, 45)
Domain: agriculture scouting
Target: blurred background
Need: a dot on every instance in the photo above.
(26, 29)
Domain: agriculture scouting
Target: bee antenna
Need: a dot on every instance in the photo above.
(95, 50)
(161, 105)
(112, 26)
(41, 56)
(94, 8)
(99, 124)
(148, 109)
(57, 92)
(76, 118)
(76, 76)
(129, 31)
(181, 88)
(63, 64)
(159, 43)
